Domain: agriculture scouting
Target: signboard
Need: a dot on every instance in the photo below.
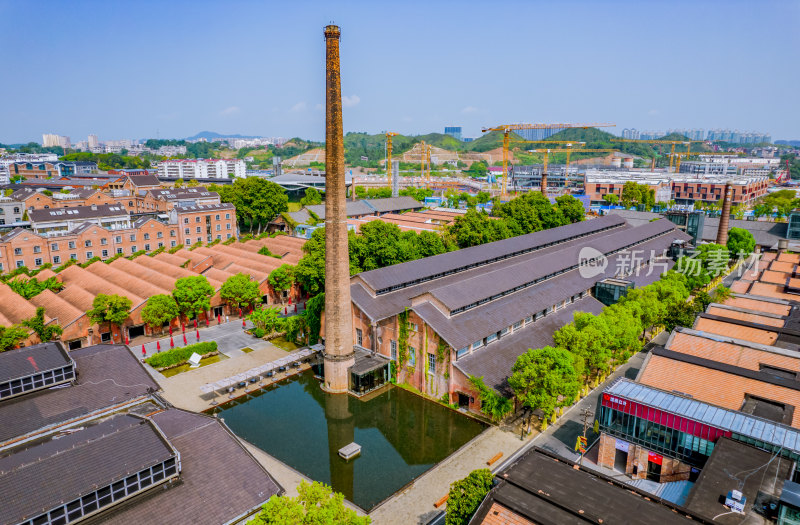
(622, 445)
(655, 458)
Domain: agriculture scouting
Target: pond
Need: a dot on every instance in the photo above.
(401, 434)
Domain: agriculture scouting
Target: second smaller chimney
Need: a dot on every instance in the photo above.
(544, 183)
(725, 218)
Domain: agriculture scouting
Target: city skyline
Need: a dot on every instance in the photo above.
(257, 74)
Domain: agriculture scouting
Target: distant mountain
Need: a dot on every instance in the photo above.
(793, 143)
(211, 135)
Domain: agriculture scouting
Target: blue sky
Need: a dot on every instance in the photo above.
(139, 69)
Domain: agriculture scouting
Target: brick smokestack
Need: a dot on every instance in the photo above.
(725, 218)
(339, 355)
(544, 183)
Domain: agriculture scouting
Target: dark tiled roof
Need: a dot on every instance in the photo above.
(393, 204)
(108, 375)
(220, 480)
(203, 207)
(38, 478)
(29, 360)
(494, 361)
(144, 180)
(399, 274)
(77, 213)
(546, 489)
(765, 233)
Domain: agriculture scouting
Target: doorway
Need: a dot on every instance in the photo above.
(654, 471)
(135, 331)
(463, 401)
(620, 460)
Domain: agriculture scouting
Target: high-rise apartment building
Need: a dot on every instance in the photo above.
(453, 131)
(51, 140)
(202, 168)
(93, 141)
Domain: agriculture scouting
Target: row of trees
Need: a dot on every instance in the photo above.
(11, 336)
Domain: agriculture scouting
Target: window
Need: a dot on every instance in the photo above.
(219, 227)
(198, 229)
(160, 245)
(227, 215)
(188, 241)
(147, 247)
(146, 236)
(37, 249)
(359, 337)
(413, 326)
(118, 239)
(229, 235)
(528, 320)
(186, 220)
(54, 247)
(133, 249)
(462, 352)
(172, 233)
(160, 235)
(89, 255)
(103, 241)
(228, 227)
(219, 237)
(172, 244)
(104, 253)
(412, 356)
(477, 344)
(73, 256)
(119, 250)
(491, 338)
(393, 349)
(431, 363)
(217, 217)
(87, 243)
(71, 245)
(197, 219)
(20, 264)
(16, 209)
(133, 237)
(186, 231)
(56, 259)
(37, 261)
(517, 325)
(505, 330)
(17, 251)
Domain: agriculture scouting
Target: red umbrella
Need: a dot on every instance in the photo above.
(285, 311)
(290, 300)
(198, 335)
(244, 324)
(295, 308)
(171, 342)
(127, 341)
(184, 338)
(219, 319)
(144, 352)
(240, 312)
(208, 321)
(170, 330)
(158, 346)
(183, 327)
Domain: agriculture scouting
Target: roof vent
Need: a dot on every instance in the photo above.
(94, 207)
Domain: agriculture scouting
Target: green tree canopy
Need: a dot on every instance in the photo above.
(312, 196)
(315, 504)
(466, 496)
(45, 331)
(546, 378)
(492, 404)
(159, 309)
(282, 277)
(257, 200)
(193, 294)
(11, 336)
(476, 227)
(571, 208)
(112, 309)
(240, 290)
(740, 242)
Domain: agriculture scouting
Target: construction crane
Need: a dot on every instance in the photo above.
(547, 153)
(679, 156)
(687, 143)
(389, 136)
(506, 128)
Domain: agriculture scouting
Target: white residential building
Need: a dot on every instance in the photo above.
(93, 141)
(50, 140)
(202, 168)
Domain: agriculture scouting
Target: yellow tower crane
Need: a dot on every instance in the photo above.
(547, 153)
(680, 155)
(389, 136)
(428, 153)
(506, 128)
(687, 143)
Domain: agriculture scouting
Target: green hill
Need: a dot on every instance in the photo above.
(490, 141)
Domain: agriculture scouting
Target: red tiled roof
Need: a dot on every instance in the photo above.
(745, 316)
(726, 351)
(745, 333)
(752, 303)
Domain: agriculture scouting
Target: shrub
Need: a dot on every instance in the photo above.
(181, 355)
(259, 332)
(466, 495)
(176, 248)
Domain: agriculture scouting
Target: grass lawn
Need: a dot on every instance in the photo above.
(282, 343)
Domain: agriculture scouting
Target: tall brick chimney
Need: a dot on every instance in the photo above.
(544, 183)
(339, 355)
(725, 218)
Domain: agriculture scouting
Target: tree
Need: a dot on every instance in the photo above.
(475, 227)
(588, 337)
(312, 196)
(492, 404)
(315, 504)
(631, 194)
(159, 309)
(240, 290)
(740, 242)
(257, 200)
(45, 331)
(282, 278)
(112, 309)
(611, 198)
(546, 378)
(571, 208)
(193, 294)
(466, 496)
(178, 183)
(192, 183)
(267, 320)
(11, 336)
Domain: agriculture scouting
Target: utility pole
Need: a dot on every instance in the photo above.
(586, 415)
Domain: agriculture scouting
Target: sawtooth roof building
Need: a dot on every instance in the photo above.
(474, 311)
(104, 448)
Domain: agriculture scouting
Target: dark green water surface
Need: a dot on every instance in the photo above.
(401, 434)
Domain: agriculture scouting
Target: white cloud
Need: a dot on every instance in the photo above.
(300, 106)
(469, 109)
(653, 112)
(319, 107)
(227, 112)
(350, 101)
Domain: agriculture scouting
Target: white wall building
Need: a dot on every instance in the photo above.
(50, 140)
(202, 168)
